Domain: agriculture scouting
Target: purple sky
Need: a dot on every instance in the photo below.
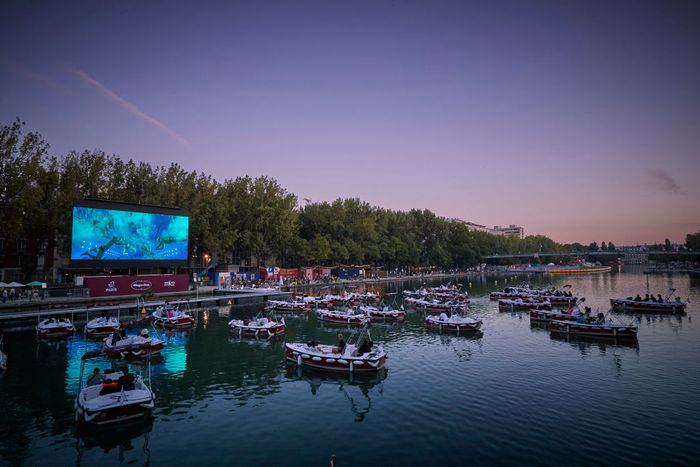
(576, 119)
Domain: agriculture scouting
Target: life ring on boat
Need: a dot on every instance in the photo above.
(330, 360)
(342, 361)
(316, 359)
(358, 362)
(305, 355)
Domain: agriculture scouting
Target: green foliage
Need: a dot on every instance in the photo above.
(692, 241)
(239, 218)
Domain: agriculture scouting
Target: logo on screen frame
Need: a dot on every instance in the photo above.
(141, 284)
(111, 287)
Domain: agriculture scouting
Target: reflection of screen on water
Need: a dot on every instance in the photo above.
(115, 235)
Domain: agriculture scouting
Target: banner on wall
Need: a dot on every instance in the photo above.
(110, 286)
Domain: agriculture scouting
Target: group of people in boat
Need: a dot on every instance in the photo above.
(255, 321)
(586, 318)
(651, 298)
(365, 346)
(121, 335)
(125, 382)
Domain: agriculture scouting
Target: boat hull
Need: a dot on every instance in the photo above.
(277, 330)
(453, 327)
(648, 307)
(547, 316)
(331, 363)
(593, 330)
(115, 415)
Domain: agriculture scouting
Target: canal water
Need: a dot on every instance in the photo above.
(510, 395)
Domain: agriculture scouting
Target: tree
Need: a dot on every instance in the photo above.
(667, 245)
(611, 246)
(603, 247)
(593, 246)
(692, 241)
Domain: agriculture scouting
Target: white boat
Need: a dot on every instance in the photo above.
(132, 346)
(454, 323)
(349, 317)
(259, 327)
(383, 314)
(366, 358)
(102, 326)
(55, 328)
(120, 397)
(170, 316)
(298, 306)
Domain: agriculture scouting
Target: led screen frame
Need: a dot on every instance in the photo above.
(128, 262)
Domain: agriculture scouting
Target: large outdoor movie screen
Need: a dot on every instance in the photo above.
(101, 234)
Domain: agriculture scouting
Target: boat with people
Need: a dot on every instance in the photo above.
(113, 397)
(437, 305)
(523, 304)
(382, 314)
(102, 326)
(55, 328)
(357, 355)
(546, 316)
(650, 304)
(453, 323)
(257, 327)
(347, 316)
(296, 306)
(170, 316)
(600, 327)
(120, 345)
(318, 301)
(557, 297)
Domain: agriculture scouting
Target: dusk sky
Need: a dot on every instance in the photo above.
(579, 120)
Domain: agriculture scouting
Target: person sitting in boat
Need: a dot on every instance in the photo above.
(652, 298)
(638, 298)
(600, 318)
(144, 333)
(341, 345)
(96, 378)
(312, 344)
(659, 298)
(581, 318)
(646, 298)
(678, 299)
(443, 316)
(126, 381)
(570, 311)
(364, 348)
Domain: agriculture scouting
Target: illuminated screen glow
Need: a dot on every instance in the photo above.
(114, 235)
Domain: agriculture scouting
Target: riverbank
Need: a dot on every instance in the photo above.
(379, 280)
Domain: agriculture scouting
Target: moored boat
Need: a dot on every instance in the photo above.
(170, 316)
(116, 397)
(258, 327)
(454, 323)
(523, 304)
(547, 316)
(132, 346)
(347, 316)
(350, 359)
(607, 329)
(383, 314)
(438, 306)
(55, 328)
(648, 304)
(102, 326)
(298, 306)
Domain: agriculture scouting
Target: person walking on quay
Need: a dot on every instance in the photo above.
(12, 295)
(4, 295)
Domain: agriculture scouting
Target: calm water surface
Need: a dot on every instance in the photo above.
(512, 395)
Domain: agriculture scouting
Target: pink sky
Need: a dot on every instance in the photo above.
(577, 121)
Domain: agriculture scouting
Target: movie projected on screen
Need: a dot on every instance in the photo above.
(111, 233)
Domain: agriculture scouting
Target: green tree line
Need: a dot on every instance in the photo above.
(232, 219)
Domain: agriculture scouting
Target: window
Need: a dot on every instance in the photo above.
(21, 245)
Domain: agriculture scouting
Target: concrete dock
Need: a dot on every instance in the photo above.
(134, 306)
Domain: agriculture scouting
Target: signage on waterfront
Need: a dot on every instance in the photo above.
(110, 286)
(123, 234)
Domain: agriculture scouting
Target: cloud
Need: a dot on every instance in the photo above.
(44, 80)
(664, 181)
(128, 106)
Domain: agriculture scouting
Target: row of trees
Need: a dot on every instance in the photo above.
(234, 219)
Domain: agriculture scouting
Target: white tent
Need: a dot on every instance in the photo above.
(14, 284)
(3, 284)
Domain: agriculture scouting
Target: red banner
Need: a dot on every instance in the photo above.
(109, 286)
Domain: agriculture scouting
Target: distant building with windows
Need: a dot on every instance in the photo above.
(472, 227)
(511, 231)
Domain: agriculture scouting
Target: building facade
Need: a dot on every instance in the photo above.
(511, 231)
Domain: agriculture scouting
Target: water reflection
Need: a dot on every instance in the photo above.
(585, 344)
(355, 388)
(128, 441)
